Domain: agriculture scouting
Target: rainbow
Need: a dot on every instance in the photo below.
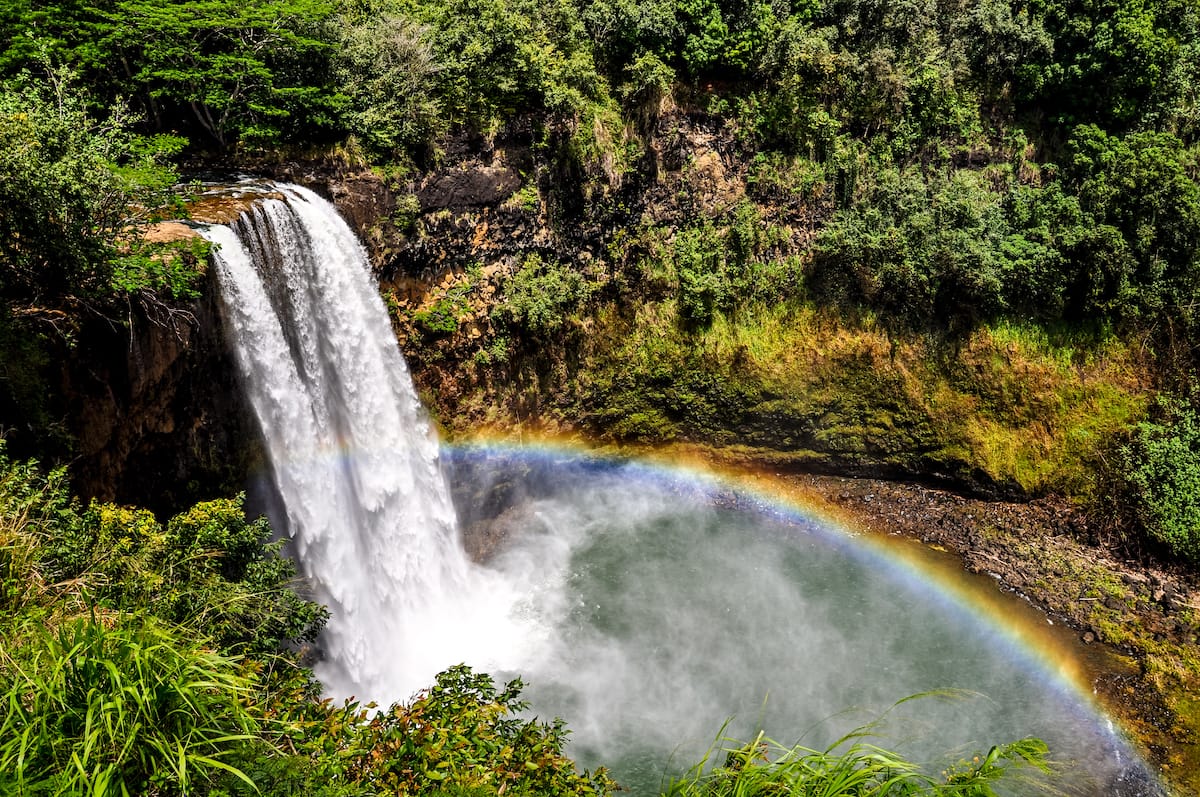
(1024, 634)
(1051, 655)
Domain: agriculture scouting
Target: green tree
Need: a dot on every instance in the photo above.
(1114, 62)
(623, 28)
(69, 33)
(1045, 224)
(498, 58)
(386, 69)
(926, 255)
(541, 296)
(74, 188)
(253, 70)
(805, 76)
(77, 188)
(1009, 47)
(1143, 202)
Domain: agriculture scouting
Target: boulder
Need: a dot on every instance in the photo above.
(467, 186)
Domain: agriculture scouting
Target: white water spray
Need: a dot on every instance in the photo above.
(353, 458)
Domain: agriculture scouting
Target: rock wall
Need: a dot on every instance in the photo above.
(156, 411)
(453, 245)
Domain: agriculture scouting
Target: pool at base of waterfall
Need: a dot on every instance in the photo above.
(673, 609)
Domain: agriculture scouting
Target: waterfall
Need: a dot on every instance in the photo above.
(650, 608)
(353, 458)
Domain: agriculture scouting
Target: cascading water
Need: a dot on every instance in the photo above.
(351, 455)
(651, 609)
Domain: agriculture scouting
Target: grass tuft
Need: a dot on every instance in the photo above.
(853, 766)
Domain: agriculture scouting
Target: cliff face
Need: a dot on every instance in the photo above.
(156, 411)
(653, 291)
(648, 290)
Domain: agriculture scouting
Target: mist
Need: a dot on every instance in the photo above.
(672, 609)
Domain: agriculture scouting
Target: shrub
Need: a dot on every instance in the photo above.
(221, 569)
(541, 295)
(34, 508)
(461, 737)
(851, 767)
(703, 280)
(1160, 469)
(649, 82)
(73, 187)
(384, 66)
(210, 566)
(170, 268)
(406, 214)
(922, 253)
(1140, 194)
(440, 318)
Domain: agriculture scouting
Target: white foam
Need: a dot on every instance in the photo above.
(353, 457)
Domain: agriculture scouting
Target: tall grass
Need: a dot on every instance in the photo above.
(102, 706)
(1040, 410)
(852, 767)
(33, 506)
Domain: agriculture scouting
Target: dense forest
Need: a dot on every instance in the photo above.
(1025, 171)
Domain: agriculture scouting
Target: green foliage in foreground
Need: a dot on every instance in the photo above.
(209, 566)
(119, 705)
(460, 737)
(133, 662)
(145, 658)
(851, 767)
